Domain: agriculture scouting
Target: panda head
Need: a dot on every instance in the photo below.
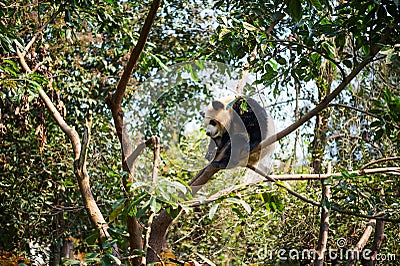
(218, 116)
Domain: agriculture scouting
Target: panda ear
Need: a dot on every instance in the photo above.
(217, 105)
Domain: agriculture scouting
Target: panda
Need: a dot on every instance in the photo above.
(236, 126)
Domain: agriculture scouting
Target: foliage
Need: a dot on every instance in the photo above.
(79, 59)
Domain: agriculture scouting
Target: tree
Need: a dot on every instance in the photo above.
(61, 60)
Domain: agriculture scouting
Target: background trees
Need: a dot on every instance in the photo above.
(340, 58)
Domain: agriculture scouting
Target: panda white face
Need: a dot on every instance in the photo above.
(213, 128)
(217, 117)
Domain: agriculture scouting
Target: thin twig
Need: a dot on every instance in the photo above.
(353, 108)
(148, 232)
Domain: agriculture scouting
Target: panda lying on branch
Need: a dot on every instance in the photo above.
(236, 126)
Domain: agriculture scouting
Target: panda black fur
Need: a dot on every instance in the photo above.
(236, 126)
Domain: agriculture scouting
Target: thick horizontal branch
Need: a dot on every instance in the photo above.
(291, 177)
(299, 177)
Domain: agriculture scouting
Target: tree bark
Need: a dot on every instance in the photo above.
(67, 250)
(318, 145)
(379, 236)
(114, 103)
(55, 253)
(162, 222)
(355, 255)
(80, 153)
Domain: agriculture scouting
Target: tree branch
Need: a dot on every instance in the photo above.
(336, 209)
(70, 132)
(324, 224)
(114, 103)
(379, 236)
(324, 103)
(355, 254)
(135, 55)
(285, 177)
(379, 161)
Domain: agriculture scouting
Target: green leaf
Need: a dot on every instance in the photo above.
(118, 232)
(248, 26)
(348, 63)
(67, 261)
(239, 213)
(153, 204)
(379, 133)
(244, 204)
(113, 258)
(284, 184)
(158, 60)
(118, 203)
(326, 203)
(179, 186)
(91, 239)
(115, 213)
(316, 4)
(295, 9)
(212, 211)
(34, 83)
(281, 60)
(111, 2)
(329, 49)
(223, 32)
(205, 259)
(105, 261)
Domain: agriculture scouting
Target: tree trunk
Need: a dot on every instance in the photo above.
(317, 150)
(161, 223)
(67, 250)
(55, 254)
